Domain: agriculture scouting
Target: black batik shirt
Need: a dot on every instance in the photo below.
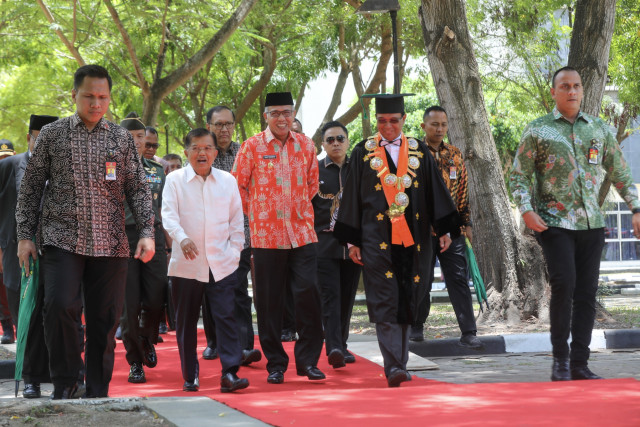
(83, 208)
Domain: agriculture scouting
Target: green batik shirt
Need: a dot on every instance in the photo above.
(154, 172)
(570, 163)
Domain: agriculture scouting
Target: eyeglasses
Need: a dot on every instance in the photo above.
(392, 121)
(219, 126)
(339, 138)
(274, 114)
(151, 145)
(207, 149)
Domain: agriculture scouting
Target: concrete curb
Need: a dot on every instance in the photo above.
(523, 343)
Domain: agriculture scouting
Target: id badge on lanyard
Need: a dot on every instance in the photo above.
(110, 167)
(593, 153)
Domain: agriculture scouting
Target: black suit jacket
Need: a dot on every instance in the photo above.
(11, 173)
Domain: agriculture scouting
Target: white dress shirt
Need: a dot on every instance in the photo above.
(209, 212)
(393, 150)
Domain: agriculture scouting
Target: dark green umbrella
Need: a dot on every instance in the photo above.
(478, 283)
(28, 295)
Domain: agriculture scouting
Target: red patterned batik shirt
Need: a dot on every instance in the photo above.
(277, 182)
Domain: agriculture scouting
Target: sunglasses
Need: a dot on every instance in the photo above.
(339, 138)
(154, 146)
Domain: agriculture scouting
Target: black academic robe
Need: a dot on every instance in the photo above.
(395, 277)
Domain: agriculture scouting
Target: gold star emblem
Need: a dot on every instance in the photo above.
(418, 248)
(383, 246)
(389, 274)
(416, 279)
(380, 217)
(417, 216)
(378, 187)
(366, 158)
(415, 184)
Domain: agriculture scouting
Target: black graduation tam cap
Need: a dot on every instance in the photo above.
(278, 98)
(388, 103)
(38, 122)
(132, 122)
(6, 147)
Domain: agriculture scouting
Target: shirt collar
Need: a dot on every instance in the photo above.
(190, 174)
(382, 138)
(557, 115)
(77, 121)
(271, 137)
(231, 149)
(328, 161)
(440, 147)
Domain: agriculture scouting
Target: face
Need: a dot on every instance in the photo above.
(222, 126)
(201, 154)
(296, 127)
(390, 125)
(92, 100)
(435, 126)
(31, 139)
(172, 165)
(150, 144)
(138, 139)
(335, 143)
(567, 92)
(280, 119)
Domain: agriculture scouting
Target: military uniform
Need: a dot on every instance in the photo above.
(146, 282)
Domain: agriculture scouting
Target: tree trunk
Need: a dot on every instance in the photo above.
(511, 263)
(589, 49)
(269, 60)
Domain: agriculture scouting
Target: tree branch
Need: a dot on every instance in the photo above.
(72, 49)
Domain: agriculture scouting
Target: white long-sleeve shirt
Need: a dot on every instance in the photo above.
(209, 212)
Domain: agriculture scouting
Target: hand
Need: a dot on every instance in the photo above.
(145, 250)
(189, 249)
(26, 248)
(534, 222)
(468, 231)
(445, 241)
(635, 222)
(354, 254)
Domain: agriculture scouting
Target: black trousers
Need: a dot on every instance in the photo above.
(187, 296)
(242, 307)
(289, 314)
(338, 280)
(101, 280)
(573, 261)
(393, 339)
(275, 270)
(144, 296)
(11, 274)
(453, 263)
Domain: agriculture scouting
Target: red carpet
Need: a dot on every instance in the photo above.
(358, 393)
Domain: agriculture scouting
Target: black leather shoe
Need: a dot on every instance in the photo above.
(210, 353)
(230, 382)
(162, 328)
(136, 373)
(336, 358)
(31, 391)
(349, 358)
(470, 340)
(160, 339)
(311, 372)
(275, 377)
(150, 356)
(250, 356)
(64, 392)
(560, 369)
(397, 376)
(583, 373)
(416, 334)
(288, 335)
(119, 333)
(191, 385)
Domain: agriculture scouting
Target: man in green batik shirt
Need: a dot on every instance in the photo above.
(570, 154)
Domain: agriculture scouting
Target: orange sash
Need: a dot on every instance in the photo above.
(400, 233)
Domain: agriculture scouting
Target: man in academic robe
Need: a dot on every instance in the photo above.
(393, 197)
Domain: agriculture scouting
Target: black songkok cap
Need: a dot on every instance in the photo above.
(278, 98)
(388, 103)
(6, 147)
(132, 122)
(38, 122)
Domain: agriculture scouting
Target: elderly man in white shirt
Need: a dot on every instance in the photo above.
(202, 212)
